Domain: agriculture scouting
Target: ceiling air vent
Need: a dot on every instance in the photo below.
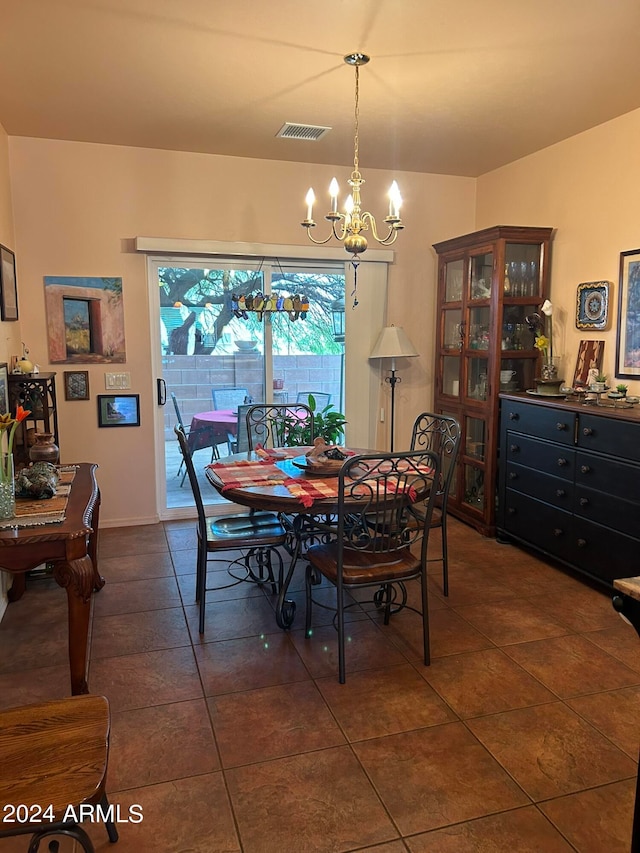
(310, 132)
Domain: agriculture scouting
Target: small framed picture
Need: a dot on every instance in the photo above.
(118, 410)
(76, 384)
(4, 389)
(8, 286)
(592, 305)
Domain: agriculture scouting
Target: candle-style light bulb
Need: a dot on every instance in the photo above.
(334, 189)
(310, 198)
(395, 200)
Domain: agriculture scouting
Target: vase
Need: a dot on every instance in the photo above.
(549, 370)
(45, 449)
(7, 487)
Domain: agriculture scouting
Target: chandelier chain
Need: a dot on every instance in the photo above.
(356, 140)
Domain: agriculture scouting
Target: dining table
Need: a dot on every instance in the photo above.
(61, 531)
(209, 429)
(281, 481)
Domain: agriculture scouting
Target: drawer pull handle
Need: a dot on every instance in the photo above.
(584, 501)
(514, 416)
(562, 462)
(513, 475)
(560, 493)
(587, 431)
(582, 543)
(585, 469)
(561, 426)
(558, 531)
(514, 448)
(511, 510)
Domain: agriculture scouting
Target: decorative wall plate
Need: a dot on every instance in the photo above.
(592, 307)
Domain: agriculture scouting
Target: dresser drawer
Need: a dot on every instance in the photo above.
(546, 527)
(543, 487)
(540, 455)
(606, 435)
(604, 553)
(551, 424)
(609, 475)
(608, 510)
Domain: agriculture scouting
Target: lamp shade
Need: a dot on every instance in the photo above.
(393, 343)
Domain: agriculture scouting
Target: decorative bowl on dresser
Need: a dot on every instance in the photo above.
(569, 483)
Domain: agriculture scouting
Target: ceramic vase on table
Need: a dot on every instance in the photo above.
(44, 449)
(7, 487)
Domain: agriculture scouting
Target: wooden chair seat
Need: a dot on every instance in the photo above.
(55, 753)
(363, 567)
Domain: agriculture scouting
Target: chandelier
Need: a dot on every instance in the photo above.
(348, 227)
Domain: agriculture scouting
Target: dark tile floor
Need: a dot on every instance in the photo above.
(520, 736)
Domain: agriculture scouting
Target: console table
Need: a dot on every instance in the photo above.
(569, 483)
(71, 545)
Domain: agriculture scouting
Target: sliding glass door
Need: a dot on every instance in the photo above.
(274, 331)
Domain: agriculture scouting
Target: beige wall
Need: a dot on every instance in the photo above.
(9, 331)
(77, 207)
(585, 188)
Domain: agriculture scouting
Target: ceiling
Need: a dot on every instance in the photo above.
(453, 87)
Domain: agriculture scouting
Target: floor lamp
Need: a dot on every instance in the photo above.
(393, 343)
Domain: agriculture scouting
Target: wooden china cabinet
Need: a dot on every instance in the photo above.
(488, 283)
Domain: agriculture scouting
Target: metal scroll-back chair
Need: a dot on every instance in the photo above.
(258, 534)
(440, 434)
(214, 450)
(286, 425)
(381, 541)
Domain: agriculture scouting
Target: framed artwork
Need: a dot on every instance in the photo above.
(8, 285)
(4, 389)
(118, 410)
(76, 384)
(85, 319)
(592, 305)
(628, 332)
(590, 355)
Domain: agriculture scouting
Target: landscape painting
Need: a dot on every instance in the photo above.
(85, 320)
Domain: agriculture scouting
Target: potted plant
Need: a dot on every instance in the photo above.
(622, 389)
(600, 383)
(327, 423)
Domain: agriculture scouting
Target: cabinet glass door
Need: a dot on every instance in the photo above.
(452, 328)
(451, 375)
(475, 438)
(522, 270)
(481, 275)
(453, 278)
(473, 484)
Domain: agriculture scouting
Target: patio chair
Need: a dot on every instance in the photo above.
(229, 398)
(440, 434)
(381, 542)
(187, 432)
(257, 535)
(239, 443)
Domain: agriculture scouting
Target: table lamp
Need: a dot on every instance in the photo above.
(393, 343)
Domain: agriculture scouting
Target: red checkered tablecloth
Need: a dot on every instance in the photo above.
(244, 474)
